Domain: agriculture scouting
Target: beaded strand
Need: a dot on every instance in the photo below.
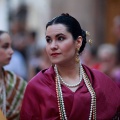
(93, 95)
(75, 85)
(61, 106)
(60, 97)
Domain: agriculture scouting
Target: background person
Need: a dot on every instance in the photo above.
(11, 86)
(107, 54)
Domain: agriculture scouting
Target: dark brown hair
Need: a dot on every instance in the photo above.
(72, 26)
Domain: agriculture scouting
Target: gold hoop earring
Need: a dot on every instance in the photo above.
(77, 56)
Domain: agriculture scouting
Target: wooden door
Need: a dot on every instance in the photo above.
(112, 10)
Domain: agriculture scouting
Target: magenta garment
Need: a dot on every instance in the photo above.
(116, 77)
(40, 101)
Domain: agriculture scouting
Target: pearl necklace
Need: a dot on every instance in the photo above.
(61, 105)
(3, 95)
(75, 85)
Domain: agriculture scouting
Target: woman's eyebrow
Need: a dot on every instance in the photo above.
(59, 34)
(47, 36)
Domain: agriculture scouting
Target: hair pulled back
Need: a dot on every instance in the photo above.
(72, 26)
(1, 32)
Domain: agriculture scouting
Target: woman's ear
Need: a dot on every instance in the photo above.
(79, 42)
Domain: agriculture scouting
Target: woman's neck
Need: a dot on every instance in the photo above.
(70, 70)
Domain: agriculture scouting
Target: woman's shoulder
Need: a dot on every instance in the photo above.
(100, 79)
(14, 83)
(12, 77)
(96, 74)
(102, 82)
(45, 76)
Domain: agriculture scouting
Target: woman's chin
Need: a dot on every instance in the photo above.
(6, 63)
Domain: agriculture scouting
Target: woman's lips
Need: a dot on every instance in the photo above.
(9, 58)
(55, 54)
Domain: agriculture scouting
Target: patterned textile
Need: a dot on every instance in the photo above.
(15, 87)
(2, 117)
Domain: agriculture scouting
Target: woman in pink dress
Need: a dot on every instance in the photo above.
(69, 90)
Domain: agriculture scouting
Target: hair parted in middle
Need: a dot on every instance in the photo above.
(72, 25)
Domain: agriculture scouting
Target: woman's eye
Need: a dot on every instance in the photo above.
(48, 40)
(5, 46)
(61, 38)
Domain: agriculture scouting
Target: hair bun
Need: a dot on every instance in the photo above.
(65, 14)
(83, 34)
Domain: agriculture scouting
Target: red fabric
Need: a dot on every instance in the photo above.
(40, 101)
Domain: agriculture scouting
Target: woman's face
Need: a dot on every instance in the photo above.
(60, 47)
(5, 49)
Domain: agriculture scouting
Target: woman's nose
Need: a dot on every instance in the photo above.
(54, 45)
(11, 51)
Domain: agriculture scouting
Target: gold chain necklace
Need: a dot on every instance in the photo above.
(61, 105)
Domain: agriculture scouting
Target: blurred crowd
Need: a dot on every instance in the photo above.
(106, 57)
(28, 58)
